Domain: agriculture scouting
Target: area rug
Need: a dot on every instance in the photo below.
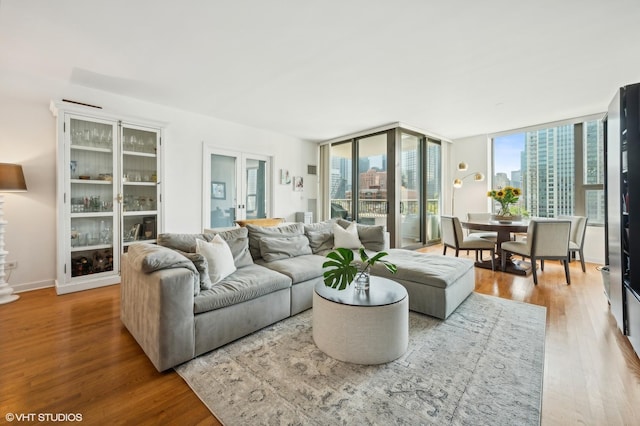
(481, 366)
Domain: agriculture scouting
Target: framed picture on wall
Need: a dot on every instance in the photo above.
(218, 190)
(298, 183)
(285, 177)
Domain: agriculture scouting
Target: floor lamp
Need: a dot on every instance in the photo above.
(11, 180)
(457, 183)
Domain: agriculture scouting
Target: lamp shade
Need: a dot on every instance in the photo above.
(478, 177)
(12, 178)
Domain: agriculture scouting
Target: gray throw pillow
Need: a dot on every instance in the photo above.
(238, 240)
(147, 258)
(276, 248)
(320, 235)
(201, 264)
(182, 242)
(258, 232)
(371, 236)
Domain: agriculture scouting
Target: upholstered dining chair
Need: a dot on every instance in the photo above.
(546, 240)
(453, 236)
(576, 238)
(481, 217)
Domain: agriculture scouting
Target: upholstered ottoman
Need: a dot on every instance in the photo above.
(436, 284)
(362, 327)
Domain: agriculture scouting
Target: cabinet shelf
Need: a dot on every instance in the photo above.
(90, 149)
(91, 214)
(89, 248)
(139, 154)
(140, 213)
(150, 241)
(129, 183)
(91, 182)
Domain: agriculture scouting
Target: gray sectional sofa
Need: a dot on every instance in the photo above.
(175, 313)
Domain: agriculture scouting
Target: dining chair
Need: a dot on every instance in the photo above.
(481, 217)
(546, 240)
(576, 238)
(453, 236)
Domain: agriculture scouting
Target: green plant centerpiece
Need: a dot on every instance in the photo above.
(343, 270)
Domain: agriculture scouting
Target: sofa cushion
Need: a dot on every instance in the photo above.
(238, 240)
(299, 269)
(200, 262)
(276, 248)
(320, 236)
(219, 258)
(147, 258)
(182, 242)
(244, 284)
(429, 269)
(372, 237)
(258, 232)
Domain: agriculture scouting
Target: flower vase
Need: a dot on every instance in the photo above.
(361, 282)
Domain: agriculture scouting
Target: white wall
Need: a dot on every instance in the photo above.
(472, 197)
(28, 138)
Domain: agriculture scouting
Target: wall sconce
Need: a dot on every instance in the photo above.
(11, 180)
(457, 183)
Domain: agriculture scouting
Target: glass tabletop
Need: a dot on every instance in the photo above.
(382, 291)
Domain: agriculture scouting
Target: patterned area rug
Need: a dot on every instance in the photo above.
(481, 366)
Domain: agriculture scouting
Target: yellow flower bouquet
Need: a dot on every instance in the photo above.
(505, 196)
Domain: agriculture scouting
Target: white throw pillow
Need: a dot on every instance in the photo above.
(219, 258)
(347, 238)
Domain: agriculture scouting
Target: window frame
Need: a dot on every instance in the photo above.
(581, 188)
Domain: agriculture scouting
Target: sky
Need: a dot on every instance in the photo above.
(507, 151)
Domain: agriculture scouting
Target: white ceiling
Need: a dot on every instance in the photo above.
(321, 69)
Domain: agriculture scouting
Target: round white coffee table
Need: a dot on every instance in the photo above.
(362, 327)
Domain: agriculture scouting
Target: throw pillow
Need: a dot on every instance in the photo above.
(202, 266)
(274, 248)
(258, 232)
(219, 258)
(372, 237)
(182, 242)
(238, 240)
(320, 236)
(149, 258)
(347, 238)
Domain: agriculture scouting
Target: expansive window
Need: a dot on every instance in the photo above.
(390, 178)
(560, 169)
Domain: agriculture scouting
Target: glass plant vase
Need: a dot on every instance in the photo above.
(361, 282)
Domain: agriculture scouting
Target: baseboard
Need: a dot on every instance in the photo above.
(37, 285)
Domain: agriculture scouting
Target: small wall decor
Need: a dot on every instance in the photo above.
(298, 183)
(218, 190)
(285, 177)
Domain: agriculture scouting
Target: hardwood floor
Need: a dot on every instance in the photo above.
(70, 354)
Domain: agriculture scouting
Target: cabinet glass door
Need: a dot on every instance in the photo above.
(91, 194)
(140, 191)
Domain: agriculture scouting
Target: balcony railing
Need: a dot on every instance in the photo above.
(378, 208)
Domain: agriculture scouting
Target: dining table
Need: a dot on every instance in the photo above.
(504, 231)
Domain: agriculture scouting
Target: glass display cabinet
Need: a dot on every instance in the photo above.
(109, 194)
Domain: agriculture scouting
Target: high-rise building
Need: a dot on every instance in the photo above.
(549, 175)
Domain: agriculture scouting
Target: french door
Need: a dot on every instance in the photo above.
(236, 186)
